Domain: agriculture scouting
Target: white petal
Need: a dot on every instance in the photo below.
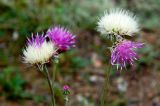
(120, 21)
(42, 54)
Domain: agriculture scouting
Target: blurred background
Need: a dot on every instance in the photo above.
(82, 68)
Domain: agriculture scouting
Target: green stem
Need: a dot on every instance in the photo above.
(66, 100)
(105, 87)
(50, 85)
(54, 72)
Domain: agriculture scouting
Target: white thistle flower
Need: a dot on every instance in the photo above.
(38, 50)
(118, 22)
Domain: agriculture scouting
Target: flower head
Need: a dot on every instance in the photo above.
(124, 53)
(62, 38)
(119, 22)
(38, 50)
(66, 87)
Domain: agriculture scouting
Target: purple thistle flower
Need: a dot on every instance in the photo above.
(125, 53)
(62, 38)
(36, 41)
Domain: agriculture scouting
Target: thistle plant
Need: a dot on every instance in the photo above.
(115, 25)
(66, 92)
(39, 51)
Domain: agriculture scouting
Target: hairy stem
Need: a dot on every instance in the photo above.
(54, 72)
(66, 100)
(50, 85)
(105, 89)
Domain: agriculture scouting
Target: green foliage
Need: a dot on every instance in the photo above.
(148, 58)
(2, 33)
(26, 16)
(3, 57)
(147, 11)
(149, 54)
(119, 102)
(58, 90)
(75, 62)
(12, 83)
(79, 62)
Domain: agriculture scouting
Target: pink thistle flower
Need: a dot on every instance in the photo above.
(125, 53)
(66, 87)
(62, 38)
